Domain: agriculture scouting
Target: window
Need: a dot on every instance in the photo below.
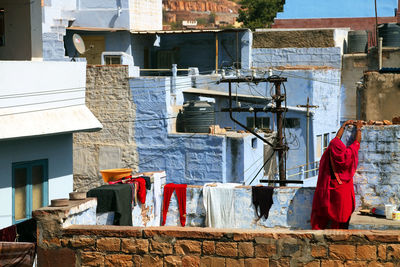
(2, 28)
(318, 146)
(333, 134)
(30, 190)
(292, 123)
(326, 141)
(112, 60)
(261, 122)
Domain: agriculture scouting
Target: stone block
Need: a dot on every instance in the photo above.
(184, 247)
(366, 252)
(393, 252)
(256, 262)
(342, 252)
(151, 260)
(172, 261)
(85, 242)
(265, 250)
(108, 244)
(209, 261)
(382, 252)
(226, 249)
(118, 260)
(318, 251)
(91, 259)
(246, 249)
(208, 247)
(190, 261)
(234, 262)
(160, 247)
(109, 157)
(138, 246)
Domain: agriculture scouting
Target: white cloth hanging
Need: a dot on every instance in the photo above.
(218, 200)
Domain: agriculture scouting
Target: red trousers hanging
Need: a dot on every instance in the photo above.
(180, 190)
(141, 192)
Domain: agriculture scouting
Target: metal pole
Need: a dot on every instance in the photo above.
(376, 25)
(308, 136)
(282, 174)
(216, 53)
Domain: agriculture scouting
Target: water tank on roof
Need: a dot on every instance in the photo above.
(357, 42)
(198, 116)
(390, 32)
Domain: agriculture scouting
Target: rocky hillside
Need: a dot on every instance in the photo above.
(208, 14)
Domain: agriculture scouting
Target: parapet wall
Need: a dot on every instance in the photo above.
(90, 245)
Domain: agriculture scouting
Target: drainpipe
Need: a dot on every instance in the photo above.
(173, 78)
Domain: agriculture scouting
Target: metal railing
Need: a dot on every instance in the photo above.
(302, 170)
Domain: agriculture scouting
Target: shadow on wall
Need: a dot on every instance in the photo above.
(300, 205)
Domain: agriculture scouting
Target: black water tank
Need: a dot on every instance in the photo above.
(357, 42)
(198, 116)
(390, 32)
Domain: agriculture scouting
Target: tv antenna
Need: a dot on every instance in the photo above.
(79, 45)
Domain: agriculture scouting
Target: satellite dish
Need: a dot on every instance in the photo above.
(78, 43)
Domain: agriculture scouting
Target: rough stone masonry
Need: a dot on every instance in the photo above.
(109, 98)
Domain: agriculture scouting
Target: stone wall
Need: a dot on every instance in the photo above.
(377, 180)
(273, 57)
(109, 98)
(379, 97)
(92, 245)
(295, 38)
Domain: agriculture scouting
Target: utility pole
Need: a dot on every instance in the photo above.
(278, 109)
(308, 106)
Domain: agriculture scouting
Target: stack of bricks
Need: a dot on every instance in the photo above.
(177, 246)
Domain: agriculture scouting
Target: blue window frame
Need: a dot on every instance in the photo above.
(29, 188)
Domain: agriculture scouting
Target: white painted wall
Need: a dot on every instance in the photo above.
(57, 149)
(31, 86)
(145, 15)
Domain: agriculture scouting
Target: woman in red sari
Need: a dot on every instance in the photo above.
(334, 200)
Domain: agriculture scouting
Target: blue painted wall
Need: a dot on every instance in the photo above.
(186, 157)
(56, 148)
(291, 209)
(303, 9)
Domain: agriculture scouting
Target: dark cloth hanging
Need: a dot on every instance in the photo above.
(180, 190)
(117, 198)
(8, 234)
(262, 200)
(148, 182)
(19, 254)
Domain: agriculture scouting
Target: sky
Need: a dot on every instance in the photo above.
(303, 9)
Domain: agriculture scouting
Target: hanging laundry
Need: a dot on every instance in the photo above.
(148, 182)
(8, 234)
(218, 200)
(180, 190)
(262, 200)
(141, 191)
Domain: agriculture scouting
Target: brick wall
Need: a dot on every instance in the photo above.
(173, 246)
(109, 98)
(94, 245)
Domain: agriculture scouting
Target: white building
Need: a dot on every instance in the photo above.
(41, 105)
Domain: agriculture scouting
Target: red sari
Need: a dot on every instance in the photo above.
(334, 199)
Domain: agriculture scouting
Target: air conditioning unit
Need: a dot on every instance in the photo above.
(120, 58)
